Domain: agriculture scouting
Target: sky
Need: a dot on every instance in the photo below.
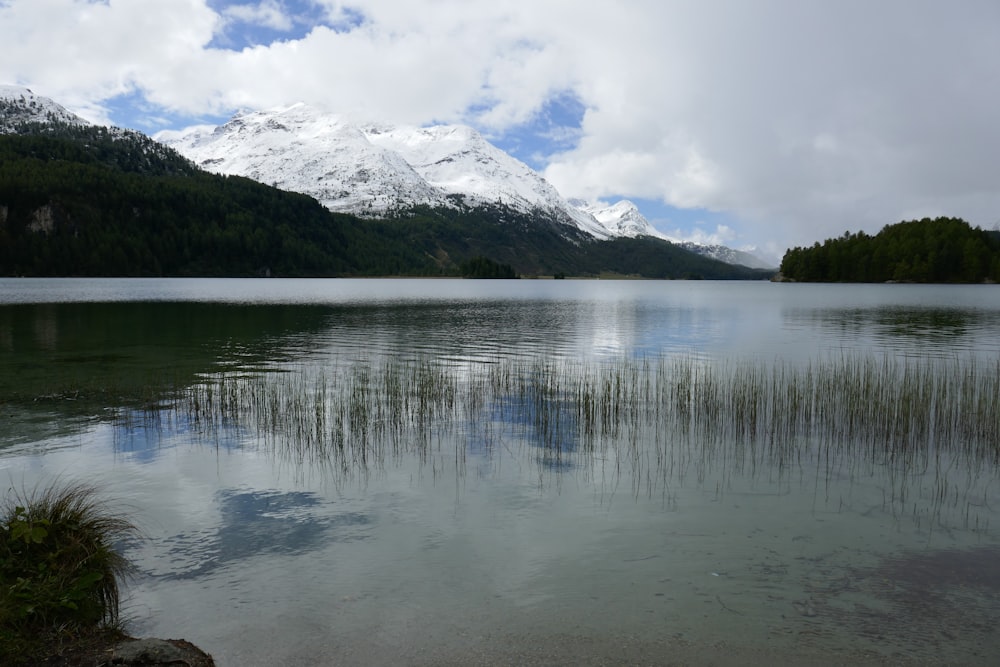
(754, 123)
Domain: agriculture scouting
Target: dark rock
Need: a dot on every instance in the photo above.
(155, 652)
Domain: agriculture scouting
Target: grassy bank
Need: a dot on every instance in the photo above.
(60, 574)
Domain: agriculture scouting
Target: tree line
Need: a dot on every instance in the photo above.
(484, 267)
(939, 250)
(132, 207)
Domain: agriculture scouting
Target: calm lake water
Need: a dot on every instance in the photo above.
(440, 471)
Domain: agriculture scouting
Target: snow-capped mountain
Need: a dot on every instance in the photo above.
(459, 161)
(624, 219)
(373, 169)
(621, 219)
(18, 105)
(299, 150)
(728, 255)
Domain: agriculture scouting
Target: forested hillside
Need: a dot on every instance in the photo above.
(101, 205)
(92, 201)
(940, 250)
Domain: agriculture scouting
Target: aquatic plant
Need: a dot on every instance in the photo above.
(60, 573)
(652, 420)
(884, 407)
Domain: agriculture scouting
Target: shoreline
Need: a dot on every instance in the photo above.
(130, 652)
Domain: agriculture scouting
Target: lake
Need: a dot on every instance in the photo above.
(528, 472)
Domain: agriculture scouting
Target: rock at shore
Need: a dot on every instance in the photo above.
(153, 652)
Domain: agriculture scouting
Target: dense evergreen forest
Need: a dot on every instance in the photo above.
(113, 203)
(484, 267)
(93, 201)
(940, 250)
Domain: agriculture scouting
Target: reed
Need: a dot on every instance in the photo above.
(652, 418)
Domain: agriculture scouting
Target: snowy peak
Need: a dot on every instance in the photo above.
(296, 149)
(624, 219)
(18, 105)
(373, 169)
(457, 160)
(621, 219)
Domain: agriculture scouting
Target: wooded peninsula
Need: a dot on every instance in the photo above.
(939, 250)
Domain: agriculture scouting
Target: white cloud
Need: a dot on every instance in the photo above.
(82, 53)
(269, 14)
(798, 119)
(721, 235)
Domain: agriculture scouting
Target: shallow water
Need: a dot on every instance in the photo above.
(459, 537)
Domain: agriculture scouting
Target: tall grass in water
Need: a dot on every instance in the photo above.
(60, 573)
(653, 418)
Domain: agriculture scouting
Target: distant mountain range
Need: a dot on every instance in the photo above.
(374, 170)
(433, 198)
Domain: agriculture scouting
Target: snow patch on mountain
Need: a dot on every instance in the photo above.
(19, 105)
(324, 156)
(459, 161)
(621, 219)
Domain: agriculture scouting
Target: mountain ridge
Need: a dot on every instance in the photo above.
(19, 105)
(378, 169)
(373, 170)
(84, 199)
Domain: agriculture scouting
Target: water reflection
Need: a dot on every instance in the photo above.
(143, 435)
(411, 467)
(482, 330)
(540, 417)
(927, 431)
(80, 360)
(789, 537)
(913, 330)
(256, 523)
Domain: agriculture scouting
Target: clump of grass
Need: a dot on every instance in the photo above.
(60, 574)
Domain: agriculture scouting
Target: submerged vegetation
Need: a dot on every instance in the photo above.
(60, 572)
